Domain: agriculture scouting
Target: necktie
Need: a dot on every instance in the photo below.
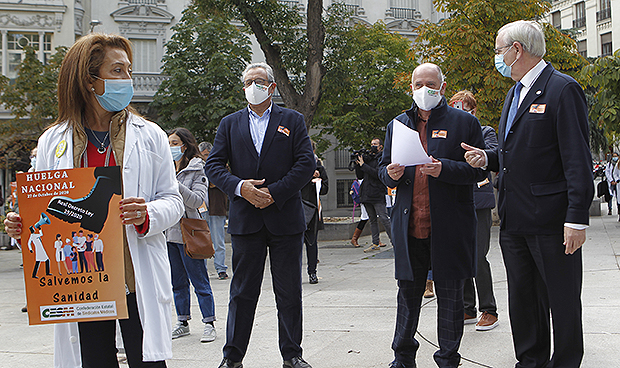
(514, 105)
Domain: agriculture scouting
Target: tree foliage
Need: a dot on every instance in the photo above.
(360, 93)
(463, 46)
(604, 75)
(31, 99)
(292, 45)
(204, 61)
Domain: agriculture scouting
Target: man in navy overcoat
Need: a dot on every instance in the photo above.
(433, 219)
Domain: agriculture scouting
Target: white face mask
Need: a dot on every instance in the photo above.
(426, 98)
(256, 93)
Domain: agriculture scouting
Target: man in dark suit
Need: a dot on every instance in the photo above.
(270, 158)
(545, 191)
(433, 218)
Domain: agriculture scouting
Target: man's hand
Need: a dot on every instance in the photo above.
(573, 239)
(271, 201)
(360, 160)
(13, 225)
(433, 169)
(395, 171)
(316, 174)
(474, 156)
(259, 198)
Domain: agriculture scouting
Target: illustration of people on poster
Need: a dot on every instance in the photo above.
(79, 206)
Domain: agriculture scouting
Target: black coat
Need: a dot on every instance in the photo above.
(453, 218)
(371, 190)
(311, 206)
(484, 197)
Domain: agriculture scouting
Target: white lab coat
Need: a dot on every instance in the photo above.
(147, 172)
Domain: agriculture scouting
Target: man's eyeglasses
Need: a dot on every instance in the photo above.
(499, 49)
(260, 81)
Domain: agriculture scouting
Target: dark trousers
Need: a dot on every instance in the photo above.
(484, 279)
(542, 279)
(378, 210)
(449, 311)
(312, 251)
(248, 263)
(36, 268)
(99, 259)
(83, 262)
(98, 341)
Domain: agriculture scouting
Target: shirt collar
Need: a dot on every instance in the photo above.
(530, 77)
(265, 114)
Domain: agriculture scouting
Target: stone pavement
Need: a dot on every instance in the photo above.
(349, 316)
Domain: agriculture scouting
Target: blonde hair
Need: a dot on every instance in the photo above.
(79, 68)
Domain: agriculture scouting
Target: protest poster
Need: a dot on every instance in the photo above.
(72, 244)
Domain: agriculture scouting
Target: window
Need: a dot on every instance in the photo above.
(556, 19)
(352, 6)
(145, 58)
(342, 193)
(403, 9)
(16, 42)
(580, 15)
(605, 12)
(291, 4)
(606, 44)
(343, 157)
(582, 48)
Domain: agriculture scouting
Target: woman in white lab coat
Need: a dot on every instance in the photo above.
(97, 128)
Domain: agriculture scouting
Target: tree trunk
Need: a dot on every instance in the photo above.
(307, 102)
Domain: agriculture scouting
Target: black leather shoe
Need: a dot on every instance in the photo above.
(296, 362)
(313, 278)
(397, 364)
(227, 363)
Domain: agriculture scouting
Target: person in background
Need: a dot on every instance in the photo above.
(612, 174)
(96, 127)
(193, 188)
(216, 204)
(58, 250)
(318, 185)
(484, 201)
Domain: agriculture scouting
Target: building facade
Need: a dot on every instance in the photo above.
(597, 23)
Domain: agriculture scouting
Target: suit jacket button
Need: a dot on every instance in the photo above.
(408, 182)
(501, 151)
(406, 211)
(505, 170)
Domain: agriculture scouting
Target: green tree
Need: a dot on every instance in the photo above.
(31, 99)
(360, 90)
(463, 46)
(204, 61)
(293, 45)
(604, 76)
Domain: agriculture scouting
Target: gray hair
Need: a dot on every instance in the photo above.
(205, 146)
(265, 66)
(528, 33)
(439, 72)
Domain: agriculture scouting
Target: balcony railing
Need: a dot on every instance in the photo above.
(403, 13)
(603, 14)
(148, 2)
(579, 22)
(353, 9)
(291, 4)
(146, 84)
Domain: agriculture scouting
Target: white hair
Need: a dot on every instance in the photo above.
(265, 66)
(439, 72)
(528, 33)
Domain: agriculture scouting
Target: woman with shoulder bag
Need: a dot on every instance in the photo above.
(193, 186)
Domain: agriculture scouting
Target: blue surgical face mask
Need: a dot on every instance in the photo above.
(176, 152)
(33, 161)
(614, 159)
(118, 94)
(501, 66)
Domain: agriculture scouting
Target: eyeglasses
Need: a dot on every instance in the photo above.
(497, 50)
(260, 81)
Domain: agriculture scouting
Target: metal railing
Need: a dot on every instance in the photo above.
(403, 13)
(148, 2)
(579, 22)
(291, 4)
(603, 14)
(353, 9)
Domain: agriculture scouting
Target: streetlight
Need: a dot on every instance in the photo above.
(93, 24)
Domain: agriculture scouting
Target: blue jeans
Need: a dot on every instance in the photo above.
(185, 269)
(216, 226)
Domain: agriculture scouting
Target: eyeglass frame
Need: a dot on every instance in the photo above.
(497, 50)
(258, 81)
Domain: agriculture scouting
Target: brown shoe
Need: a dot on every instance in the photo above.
(487, 322)
(381, 244)
(428, 293)
(468, 320)
(356, 235)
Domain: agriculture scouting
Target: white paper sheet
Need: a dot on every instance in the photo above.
(407, 148)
